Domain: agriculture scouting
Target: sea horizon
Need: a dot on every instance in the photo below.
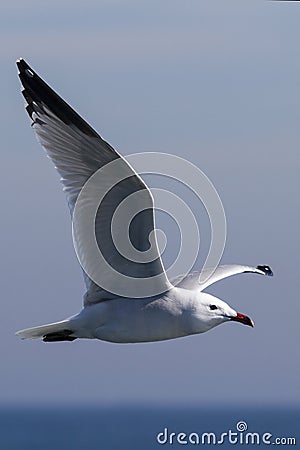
(146, 426)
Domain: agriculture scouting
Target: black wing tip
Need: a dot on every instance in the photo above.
(266, 270)
(37, 91)
(25, 71)
(22, 65)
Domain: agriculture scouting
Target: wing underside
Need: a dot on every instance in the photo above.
(78, 152)
(192, 280)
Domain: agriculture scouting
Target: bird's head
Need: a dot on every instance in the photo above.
(210, 311)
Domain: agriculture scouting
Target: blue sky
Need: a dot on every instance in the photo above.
(214, 82)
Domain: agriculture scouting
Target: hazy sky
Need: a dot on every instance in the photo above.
(214, 82)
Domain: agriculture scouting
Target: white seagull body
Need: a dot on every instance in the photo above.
(183, 308)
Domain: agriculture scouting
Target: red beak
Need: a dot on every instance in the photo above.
(243, 319)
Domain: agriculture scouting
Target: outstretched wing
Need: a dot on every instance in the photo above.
(78, 152)
(191, 281)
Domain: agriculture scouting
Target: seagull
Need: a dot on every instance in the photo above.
(182, 308)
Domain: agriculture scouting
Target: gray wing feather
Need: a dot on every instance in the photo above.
(191, 281)
(77, 152)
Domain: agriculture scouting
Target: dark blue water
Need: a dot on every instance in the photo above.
(136, 428)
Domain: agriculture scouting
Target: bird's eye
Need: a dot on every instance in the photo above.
(212, 307)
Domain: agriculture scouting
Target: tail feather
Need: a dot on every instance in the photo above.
(53, 332)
